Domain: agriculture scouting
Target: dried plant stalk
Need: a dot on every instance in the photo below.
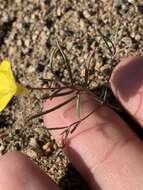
(64, 89)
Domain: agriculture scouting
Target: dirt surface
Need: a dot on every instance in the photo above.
(28, 32)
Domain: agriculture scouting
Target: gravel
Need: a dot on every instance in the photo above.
(28, 32)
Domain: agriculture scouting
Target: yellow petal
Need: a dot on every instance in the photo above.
(7, 81)
(5, 65)
(7, 84)
(4, 100)
(5, 68)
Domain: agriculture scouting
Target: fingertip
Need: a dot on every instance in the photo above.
(127, 85)
(127, 77)
(94, 139)
(17, 171)
(102, 143)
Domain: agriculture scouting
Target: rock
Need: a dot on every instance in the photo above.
(31, 153)
(33, 143)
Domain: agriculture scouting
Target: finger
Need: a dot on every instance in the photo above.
(127, 85)
(18, 172)
(104, 150)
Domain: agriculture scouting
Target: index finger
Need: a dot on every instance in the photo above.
(103, 149)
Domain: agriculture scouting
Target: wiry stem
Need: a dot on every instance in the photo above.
(52, 109)
(48, 88)
(64, 89)
(55, 94)
(72, 127)
(105, 40)
(66, 62)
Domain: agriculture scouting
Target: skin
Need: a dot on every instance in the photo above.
(103, 149)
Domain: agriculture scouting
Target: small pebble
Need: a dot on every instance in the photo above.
(27, 42)
(131, 1)
(82, 25)
(47, 147)
(31, 69)
(18, 1)
(2, 148)
(86, 14)
(140, 8)
(28, 32)
(59, 12)
(69, 45)
(31, 153)
(137, 37)
(118, 3)
(33, 142)
(127, 41)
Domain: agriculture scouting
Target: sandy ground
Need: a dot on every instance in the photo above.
(28, 32)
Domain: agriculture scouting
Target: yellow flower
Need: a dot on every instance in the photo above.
(8, 86)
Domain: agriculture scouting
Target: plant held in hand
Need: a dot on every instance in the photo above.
(9, 88)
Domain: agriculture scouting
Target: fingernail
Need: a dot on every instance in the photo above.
(127, 85)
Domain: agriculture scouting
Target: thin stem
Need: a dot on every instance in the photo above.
(78, 105)
(56, 128)
(57, 78)
(86, 77)
(52, 109)
(69, 129)
(81, 120)
(104, 38)
(66, 62)
(55, 93)
(58, 94)
(48, 88)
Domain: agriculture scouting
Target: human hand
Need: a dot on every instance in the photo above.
(103, 148)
